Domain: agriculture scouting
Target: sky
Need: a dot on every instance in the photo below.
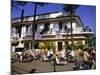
(86, 13)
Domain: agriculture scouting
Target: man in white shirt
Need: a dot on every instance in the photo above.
(72, 53)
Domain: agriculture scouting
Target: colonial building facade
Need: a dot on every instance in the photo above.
(49, 27)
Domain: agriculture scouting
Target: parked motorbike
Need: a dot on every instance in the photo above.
(80, 65)
(71, 59)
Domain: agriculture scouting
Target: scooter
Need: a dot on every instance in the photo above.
(80, 65)
(71, 59)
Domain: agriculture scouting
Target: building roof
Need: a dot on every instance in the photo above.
(37, 15)
(59, 16)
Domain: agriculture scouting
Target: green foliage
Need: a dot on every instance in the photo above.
(87, 29)
(16, 4)
(67, 47)
(52, 45)
(42, 45)
(75, 46)
(91, 41)
(79, 46)
(70, 8)
(47, 45)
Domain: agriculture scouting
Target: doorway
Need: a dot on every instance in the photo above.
(59, 46)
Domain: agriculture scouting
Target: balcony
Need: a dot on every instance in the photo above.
(54, 35)
(15, 36)
(27, 36)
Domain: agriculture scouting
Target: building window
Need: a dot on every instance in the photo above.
(69, 30)
(36, 45)
(60, 25)
(55, 27)
(35, 27)
(27, 28)
(66, 43)
(18, 30)
(46, 27)
(59, 46)
(65, 27)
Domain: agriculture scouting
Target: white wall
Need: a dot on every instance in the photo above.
(40, 27)
(54, 15)
(13, 31)
(54, 26)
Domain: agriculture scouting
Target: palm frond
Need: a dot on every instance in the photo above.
(70, 8)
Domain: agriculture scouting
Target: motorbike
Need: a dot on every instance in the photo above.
(80, 65)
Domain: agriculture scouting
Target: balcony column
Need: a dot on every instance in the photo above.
(51, 26)
(56, 45)
(13, 49)
(74, 27)
(83, 42)
(69, 42)
(30, 30)
(23, 32)
(13, 32)
(63, 44)
(30, 45)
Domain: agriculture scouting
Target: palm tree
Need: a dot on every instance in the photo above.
(71, 9)
(88, 37)
(87, 28)
(52, 46)
(15, 4)
(36, 4)
(93, 41)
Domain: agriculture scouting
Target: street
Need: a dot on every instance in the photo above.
(38, 67)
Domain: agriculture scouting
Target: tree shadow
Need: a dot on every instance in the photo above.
(33, 71)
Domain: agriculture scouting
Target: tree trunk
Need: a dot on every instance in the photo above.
(33, 26)
(22, 17)
(71, 30)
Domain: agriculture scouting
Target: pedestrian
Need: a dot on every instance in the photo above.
(87, 58)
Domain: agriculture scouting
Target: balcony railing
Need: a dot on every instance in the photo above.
(52, 35)
(14, 37)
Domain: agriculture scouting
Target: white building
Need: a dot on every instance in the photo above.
(49, 27)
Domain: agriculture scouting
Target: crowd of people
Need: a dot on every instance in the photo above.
(89, 60)
(89, 57)
(61, 56)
